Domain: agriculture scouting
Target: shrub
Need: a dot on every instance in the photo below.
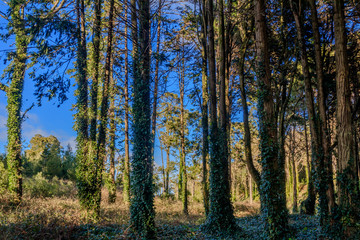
(39, 186)
(3, 178)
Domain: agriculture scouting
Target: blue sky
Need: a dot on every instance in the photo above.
(45, 120)
(48, 119)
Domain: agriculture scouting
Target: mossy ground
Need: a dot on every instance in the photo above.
(61, 218)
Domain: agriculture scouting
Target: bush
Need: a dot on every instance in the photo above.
(39, 186)
(3, 178)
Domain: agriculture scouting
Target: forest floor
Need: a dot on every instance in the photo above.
(61, 218)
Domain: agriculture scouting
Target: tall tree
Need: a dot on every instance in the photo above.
(220, 218)
(126, 175)
(273, 199)
(204, 108)
(317, 151)
(14, 102)
(255, 175)
(142, 212)
(82, 105)
(107, 95)
(182, 171)
(27, 29)
(156, 78)
(321, 82)
(92, 203)
(348, 192)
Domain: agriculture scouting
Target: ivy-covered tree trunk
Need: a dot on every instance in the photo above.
(142, 212)
(204, 111)
(184, 191)
(104, 106)
(91, 193)
(220, 218)
(82, 107)
(14, 102)
(348, 193)
(321, 82)
(126, 174)
(317, 151)
(273, 198)
(112, 138)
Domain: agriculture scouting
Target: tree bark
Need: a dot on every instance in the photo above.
(112, 135)
(325, 137)
(82, 106)
(14, 103)
(204, 111)
(220, 216)
(273, 197)
(156, 80)
(104, 106)
(308, 205)
(317, 151)
(126, 175)
(294, 170)
(347, 186)
(142, 214)
(184, 191)
(247, 136)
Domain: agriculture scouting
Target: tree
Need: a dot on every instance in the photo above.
(107, 95)
(273, 199)
(220, 218)
(317, 151)
(142, 212)
(204, 108)
(69, 164)
(82, 120)
(348, 187)
(26, 33)
(126, 175)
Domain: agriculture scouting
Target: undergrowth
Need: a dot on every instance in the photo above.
(60, 217)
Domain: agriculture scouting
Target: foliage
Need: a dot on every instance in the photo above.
(46, 155)
(39, 186)
(3, 176)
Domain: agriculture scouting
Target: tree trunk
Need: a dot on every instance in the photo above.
(167, 170)
(204, 112)
(112, 136)
(325, 137)
(94, 192)
(317, 151)
(182, 173)
(294, 170)
(82, 107)
(251, 195)
(14, 103)
(247, 136)
(156, 80)
(104, 106)
(347, 186)
(163, 170)
(220, 216)
(273, 197)
(142, 214)
(308, 205)
(126, 174)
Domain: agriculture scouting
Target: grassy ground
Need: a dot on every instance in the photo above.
(61, 218)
